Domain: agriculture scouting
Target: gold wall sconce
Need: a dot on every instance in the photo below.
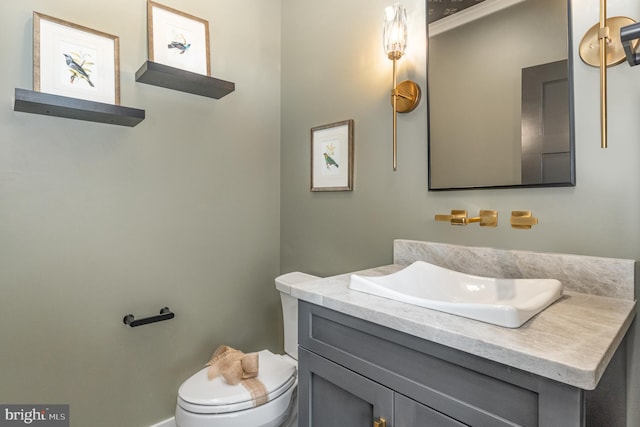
(405, 97)
(601, 47)
(487, 218)
(523, 220)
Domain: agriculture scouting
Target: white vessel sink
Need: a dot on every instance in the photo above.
(503, 302)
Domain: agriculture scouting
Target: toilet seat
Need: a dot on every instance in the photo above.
(200, 395)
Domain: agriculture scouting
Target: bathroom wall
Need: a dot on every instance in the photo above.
(333, 68)
(98, 221)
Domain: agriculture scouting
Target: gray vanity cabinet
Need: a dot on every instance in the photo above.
(352, 372)
(409, 413)
(339, 397)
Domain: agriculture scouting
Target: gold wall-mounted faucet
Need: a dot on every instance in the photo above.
(455, 213)
(487, 218)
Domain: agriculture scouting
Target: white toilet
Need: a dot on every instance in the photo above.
(214, 403)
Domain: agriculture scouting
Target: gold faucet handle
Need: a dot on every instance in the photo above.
(523, 219)
(455, 215)
(488, 218)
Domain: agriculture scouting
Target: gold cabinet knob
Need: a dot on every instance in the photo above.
(380, 422)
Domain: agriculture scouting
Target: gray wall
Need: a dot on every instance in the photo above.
(333, 68)
(97, 221)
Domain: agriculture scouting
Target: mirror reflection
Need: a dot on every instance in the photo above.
(500, 94)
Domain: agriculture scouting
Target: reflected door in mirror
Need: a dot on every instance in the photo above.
(546, 156)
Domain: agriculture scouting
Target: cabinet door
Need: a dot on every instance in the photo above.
(333, 396)
(409, 413)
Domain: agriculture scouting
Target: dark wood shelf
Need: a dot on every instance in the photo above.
(156, 74)
(29, 101)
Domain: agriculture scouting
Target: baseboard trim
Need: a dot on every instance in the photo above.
(171, 422)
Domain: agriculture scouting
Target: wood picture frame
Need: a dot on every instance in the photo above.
(75, 61)
(332, 151)
(178, 39)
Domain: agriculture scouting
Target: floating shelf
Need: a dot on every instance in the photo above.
(29, 101)
(162, 75)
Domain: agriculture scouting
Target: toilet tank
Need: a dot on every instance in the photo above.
(290, 309)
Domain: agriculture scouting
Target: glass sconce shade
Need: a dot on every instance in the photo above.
(395, 31)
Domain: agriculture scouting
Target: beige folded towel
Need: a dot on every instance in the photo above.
(237, 367)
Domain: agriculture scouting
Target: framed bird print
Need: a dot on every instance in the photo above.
(332, 157)
(177, 39)
(75, 61)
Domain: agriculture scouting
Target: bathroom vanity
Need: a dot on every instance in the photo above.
(363, 358)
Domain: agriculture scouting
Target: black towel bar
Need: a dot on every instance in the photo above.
(165, 314)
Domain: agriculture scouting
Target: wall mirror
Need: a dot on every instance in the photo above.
(500, 94)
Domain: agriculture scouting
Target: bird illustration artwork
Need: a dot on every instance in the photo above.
(182, 47)
(329, 161)
(77, 70)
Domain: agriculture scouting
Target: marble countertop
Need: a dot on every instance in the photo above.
(571, 342)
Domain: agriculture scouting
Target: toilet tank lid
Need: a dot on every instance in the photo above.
(284, 282)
